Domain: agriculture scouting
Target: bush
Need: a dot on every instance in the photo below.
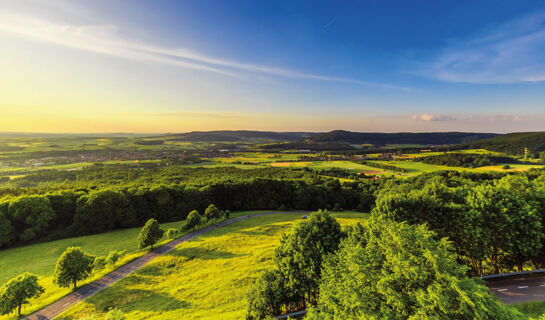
(99, 263)
(171, 233)
(114, 256)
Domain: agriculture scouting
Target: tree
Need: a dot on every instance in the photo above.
(150, 234)
(99, 263)
(392, 270)
(212, 212)
(510, 228)
(300, 254)
(268, 295)
(73, 265)
(193, 219)
(171, 233)
(227, 214)
(17, 291)
(114, 256)
(6, 230)
(31, 215)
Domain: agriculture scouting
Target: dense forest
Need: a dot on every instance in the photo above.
(466, 160)
(513, 143)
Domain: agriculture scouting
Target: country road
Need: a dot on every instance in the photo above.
(63, 304)
(521, 289)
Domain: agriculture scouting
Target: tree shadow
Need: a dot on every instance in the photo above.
(204, 253)
(265, 230)
(128, 300)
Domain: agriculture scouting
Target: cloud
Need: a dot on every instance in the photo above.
(106, 39)
(508, 53)
(512, 118)
(433, 117)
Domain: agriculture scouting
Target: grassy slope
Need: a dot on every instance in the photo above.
(41, 258)
(206, 278)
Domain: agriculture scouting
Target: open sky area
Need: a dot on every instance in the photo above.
(173, 66)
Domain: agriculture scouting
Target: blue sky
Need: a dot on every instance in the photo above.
(170, 66)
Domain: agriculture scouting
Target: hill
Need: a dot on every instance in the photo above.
(513, 143)
(341, 140)
(238, 135)
(383, 139)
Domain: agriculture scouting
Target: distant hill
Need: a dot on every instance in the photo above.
(338, 140)
(382, 139)
(239, 135)
(513, 143)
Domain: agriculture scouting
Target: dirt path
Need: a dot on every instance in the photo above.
(68, 301)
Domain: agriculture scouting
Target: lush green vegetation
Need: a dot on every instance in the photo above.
(514, 143)
(202, 278)
(467, 160)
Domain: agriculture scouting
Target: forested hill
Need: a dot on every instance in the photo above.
(346, 140)
(381, 139)
(238, 135)
(513, 143)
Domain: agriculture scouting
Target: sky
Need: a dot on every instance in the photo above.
(176, 66)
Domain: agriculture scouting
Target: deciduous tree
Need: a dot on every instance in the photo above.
(73, 265)
(16, 292)
(150, 234)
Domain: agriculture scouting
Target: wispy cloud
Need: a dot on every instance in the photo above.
(433, 117)
(105, 39)
(508, 53)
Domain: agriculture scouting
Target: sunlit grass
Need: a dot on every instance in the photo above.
(206, 278)
(41, 258)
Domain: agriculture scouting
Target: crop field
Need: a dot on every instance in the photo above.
(41, 258)
(202, 278)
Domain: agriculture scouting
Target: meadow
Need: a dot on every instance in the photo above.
(202, 278)
(41, 258)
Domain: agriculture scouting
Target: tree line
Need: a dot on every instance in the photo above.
(32, 218)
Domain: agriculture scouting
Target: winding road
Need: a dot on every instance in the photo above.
(63, 304)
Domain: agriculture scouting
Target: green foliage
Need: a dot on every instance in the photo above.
(171, 233)
(212, 213)
(467, 160)
(17, 292)
(390, 270)
(293, 284)
(114, 256)
(227, 214)
(99, 263)
(73, 265)
(6, 229)
(31, 215)
(150, 234)
(268, 295)
(193, 219)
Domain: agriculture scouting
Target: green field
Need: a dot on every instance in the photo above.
(41, 258)
(201, 279)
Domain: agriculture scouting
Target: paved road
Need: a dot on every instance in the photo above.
(56, 308)
(521, 289)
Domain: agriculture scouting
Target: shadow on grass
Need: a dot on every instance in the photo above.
(204, 253)
(128, 300)
(266, 230)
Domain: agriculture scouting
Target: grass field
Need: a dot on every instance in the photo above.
(41, 258)
(206, 278)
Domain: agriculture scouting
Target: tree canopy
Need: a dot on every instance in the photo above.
(150, 234)
(391, 270)
(73, 265)
(17, 292)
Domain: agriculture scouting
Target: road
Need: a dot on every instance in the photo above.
(56, 308)
(520, 289)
